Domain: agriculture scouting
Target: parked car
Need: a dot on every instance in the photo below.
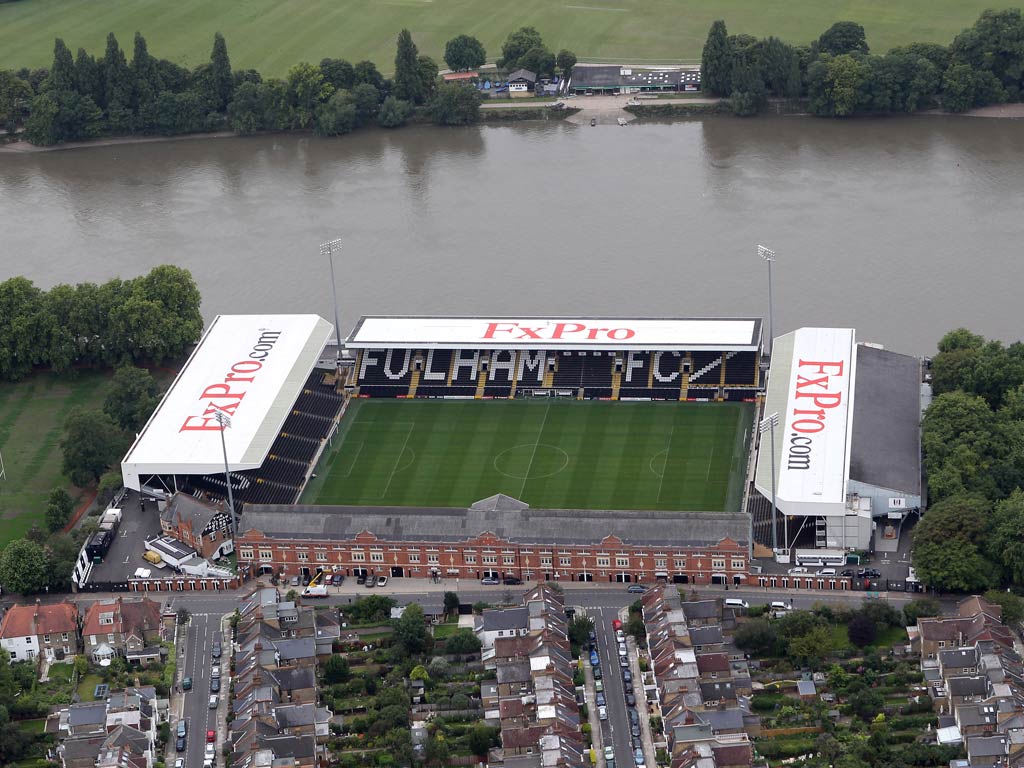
(382, 581)
(622, 649)
(182, 730)
(634, 730)
(627, 675)
(869, 573)
(490, 581)
(633, 716)
(214, 685)
(215, 670)
(616, 624)
(592, 636)
(179, 762)
(338, 579)
(213, 702)
(630, 700)
(599, 685)
(371, 582)
(620, 635)
(796, 571)
(602, 713)
(848, 572)
(595, 660)
(636, 589)
(294, 581)
(361, 579)
(609, 753)
(512, 581)
(624, 661)
(597, 673)
(211, 737)
(780, 605)
(627, 686)
(600, 699)
(639, 757)
(179, 744)
(186, 684)
(216, 652)
(210, 753)
(305, 580)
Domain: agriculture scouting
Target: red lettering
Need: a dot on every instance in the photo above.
(255, 366)
(529, 333)
(825, 399)
(493, 328)
(205, 426)
(821, 366)
(561, 328)
(810, 425)
(592, 333)
(803, 381)
(225, 391)
(621, 334)
(232, 377)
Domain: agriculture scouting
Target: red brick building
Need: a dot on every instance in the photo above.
(499, 537)
(202, 525)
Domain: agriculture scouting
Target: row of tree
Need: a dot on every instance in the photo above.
(972, 536)
(839, 76)
(154, 317)
(81, 97)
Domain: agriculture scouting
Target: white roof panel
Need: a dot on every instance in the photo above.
(561, 333)
(251, 366)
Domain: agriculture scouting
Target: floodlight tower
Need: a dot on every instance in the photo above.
(769, 255)
(225, 421)
(768, 424)
(327, 249)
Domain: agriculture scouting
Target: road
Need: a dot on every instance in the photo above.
(615, 730)
(194, 660)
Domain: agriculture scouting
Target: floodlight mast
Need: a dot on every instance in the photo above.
(327, 249)
(769, 255)
(768, 424)
(225, 422)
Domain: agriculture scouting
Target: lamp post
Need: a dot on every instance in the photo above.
(327, 249)
(225, 421)
(768, 424)
(769, 255)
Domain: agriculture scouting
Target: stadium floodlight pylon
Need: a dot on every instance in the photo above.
(327, 249)
(768, 424)
(225, 422)
(768, 255)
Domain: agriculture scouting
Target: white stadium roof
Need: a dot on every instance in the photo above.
(558, 333)
(251, 366)
(810, 387)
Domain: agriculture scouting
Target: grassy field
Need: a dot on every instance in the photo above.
(557, 454)
(32, 414)
(272, 35)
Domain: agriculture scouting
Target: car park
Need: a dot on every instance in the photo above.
(636, 589)
(602, 713)
(382, 581)
(214, 685)
(213, 702)
(490, 581)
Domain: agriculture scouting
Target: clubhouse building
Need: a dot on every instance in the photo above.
(497, 537)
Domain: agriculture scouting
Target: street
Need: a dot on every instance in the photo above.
(194, 660)
(616, 729)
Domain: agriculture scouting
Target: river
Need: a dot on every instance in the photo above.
(900, 227)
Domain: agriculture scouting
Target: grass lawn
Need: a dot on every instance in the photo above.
(554, 454)
(33, 727)
(87, 686)
(272, 35)
(441, 631)
(32, 414)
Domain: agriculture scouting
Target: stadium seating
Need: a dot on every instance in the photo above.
(741, 368)
(705, 368)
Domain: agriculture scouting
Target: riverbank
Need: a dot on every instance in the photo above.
(21, 147)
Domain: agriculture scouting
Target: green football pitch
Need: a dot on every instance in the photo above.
(551, 454)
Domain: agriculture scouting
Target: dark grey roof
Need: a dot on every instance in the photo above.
(515, 672)
(523, 74)
(806, 688)
(706, 635)
(885, 444)
(290, 716)
(601, 76)
(967, 686)
(300, 648)
(976, 714)
(702, 609)
(505, 618)
(718, 690)
(986, 746)
(197, 513)
(90, 712)
(444, 524)
(958, 657)
(722, 719)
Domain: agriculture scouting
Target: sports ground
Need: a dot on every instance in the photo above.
(551, 454)
(272, 35)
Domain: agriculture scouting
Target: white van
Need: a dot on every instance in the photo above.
(735, 602)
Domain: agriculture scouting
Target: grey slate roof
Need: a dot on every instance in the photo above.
(967, 686)
(84, 714)
(722, 719)
(197, 513)
(601, 76)
(986, 746)
(515, 672)
(553, 526)
(806, 688)
(706, 635)
(505, 618)
(522, 74)
(885, 448)
(702, 609)
(958, 657)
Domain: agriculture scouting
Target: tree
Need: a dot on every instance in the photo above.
(993, 46)
(223, 83)
(146, 85)
(1012, 605)
(481, 738)
(812, 647)
(336, 116)
(516, 45)
(758, 638)
(62, 73)
(428, 70)
(748, 96)
(954, 565)
(435, 751)
(336, 670)
(398, 743)
(1006, 540)
(91, 443)
(919, 609)
(455, 104)
(861, 629)
(579, 629)
(866, 703)
(565, 60)
(62, 554)
(15, 97)
(366, 99)
(366, 72)
(307, 90)
(419, 672)
(245, 112)
(58, 509)
(131, 399)
(338, 73)
(538, 60)
(464, 52)
(24, 567)
(462, 642)
(716, 62)
(408, 83)
(117, 82)
(59, 116)
(451, 603)
(843, 37)
(182, 616)
(372, 609)
(411, 630)
(835, 85)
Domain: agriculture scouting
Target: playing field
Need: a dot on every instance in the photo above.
(550, 454)
(32, 414)
(272, 35)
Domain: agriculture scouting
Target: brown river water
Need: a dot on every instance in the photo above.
(902, 227)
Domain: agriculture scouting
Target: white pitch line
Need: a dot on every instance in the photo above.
(398, 460)
(540, 434)
(593, 8)
(707, 474)
(668, 457)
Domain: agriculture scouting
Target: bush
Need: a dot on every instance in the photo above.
(394, 112)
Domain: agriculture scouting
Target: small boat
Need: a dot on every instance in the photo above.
(622, 121)
(593, 121)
